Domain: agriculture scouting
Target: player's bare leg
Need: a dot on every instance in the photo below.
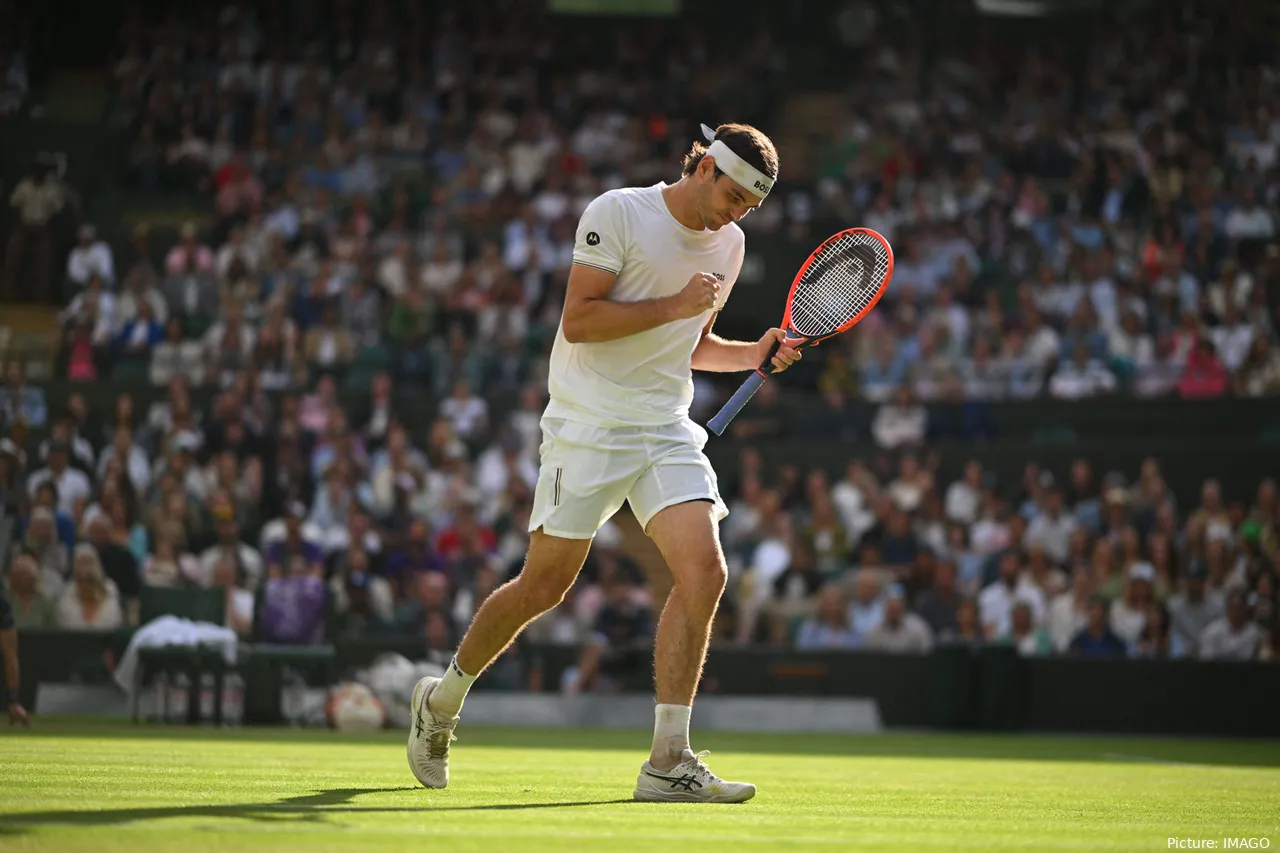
(688, 537)
(550, 568)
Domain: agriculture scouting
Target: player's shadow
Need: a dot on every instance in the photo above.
(304, 808)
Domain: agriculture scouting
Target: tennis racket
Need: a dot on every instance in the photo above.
(837, 286)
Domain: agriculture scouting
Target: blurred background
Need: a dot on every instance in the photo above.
(280, 280)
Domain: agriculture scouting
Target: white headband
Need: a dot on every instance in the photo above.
(751, 178)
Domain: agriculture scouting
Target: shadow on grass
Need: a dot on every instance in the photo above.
(1012, 746)
(303, 808)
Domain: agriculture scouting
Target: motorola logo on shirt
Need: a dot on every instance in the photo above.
(593, 239)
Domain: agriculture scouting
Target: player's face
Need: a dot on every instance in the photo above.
(722, 200)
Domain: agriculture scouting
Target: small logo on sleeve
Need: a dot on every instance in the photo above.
(593, 239)
(719, 275)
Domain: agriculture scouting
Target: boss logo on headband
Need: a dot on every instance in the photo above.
(763, 187)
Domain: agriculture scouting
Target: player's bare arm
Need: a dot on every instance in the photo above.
(591, 317)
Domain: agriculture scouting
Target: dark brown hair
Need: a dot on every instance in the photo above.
(745, 141)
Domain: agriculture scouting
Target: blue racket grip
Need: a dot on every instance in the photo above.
(736, 403)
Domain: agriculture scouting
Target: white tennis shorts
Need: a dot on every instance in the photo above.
(587, 472)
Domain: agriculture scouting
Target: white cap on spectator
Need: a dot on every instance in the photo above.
(1142, 572)
(186, 441)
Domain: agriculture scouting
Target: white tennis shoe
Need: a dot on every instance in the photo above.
(429, 737)
(690, 781)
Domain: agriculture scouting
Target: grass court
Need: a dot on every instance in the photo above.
(71, 786)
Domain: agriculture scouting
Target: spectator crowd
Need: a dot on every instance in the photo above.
(393, 200)
(1059, 230)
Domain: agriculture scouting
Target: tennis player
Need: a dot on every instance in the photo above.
(652, 267)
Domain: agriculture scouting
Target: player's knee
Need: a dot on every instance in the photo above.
(703, 579)
(538, 595)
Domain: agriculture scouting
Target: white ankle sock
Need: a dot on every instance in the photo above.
(446, 699)
(670, 733)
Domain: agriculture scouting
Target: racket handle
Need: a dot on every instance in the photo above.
(736, 403)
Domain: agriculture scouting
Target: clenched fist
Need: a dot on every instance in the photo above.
(698, 296)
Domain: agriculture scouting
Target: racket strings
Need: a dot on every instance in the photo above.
(839, 285)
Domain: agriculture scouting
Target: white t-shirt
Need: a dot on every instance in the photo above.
(645, 379)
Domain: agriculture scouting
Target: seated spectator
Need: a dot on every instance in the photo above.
(189, 256)
(901, 423)
(470, 597)
(908, 490)
(901, 631)
(1097, 640)
(52, 556)
(66, 428)
(968, 628)
(466, 543)
(141, 290)
(1024, 635)
(794, 593)
(939, 603)
(294, 603)
(504, 461)
(899, 544)
(466, 411)
(139, 336)
(867, 608)
(246, 559)
(1259, 375)
(90, 257)
(294, 555)
(1132, 350)
(1081, 377)
(90, 602)
(412, 557)
(328, 347)
(1204, 376)
(361, 312)
(882, 372)
(333, 501)
(1129, 612)
(167, 565)
(19, 401)
(129, 457)
(828, 627)
(1068, 612)
(377, 417)
(32, 608)
(617, 655)
(826, 536)
(228, 345)
(963, 495)
(239, 602)
(419, 596)
(995, 603)
(769, 559)
(1157, 641)
(116, 561)
(72, 484)
(1234, 636)
(1052, 527)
